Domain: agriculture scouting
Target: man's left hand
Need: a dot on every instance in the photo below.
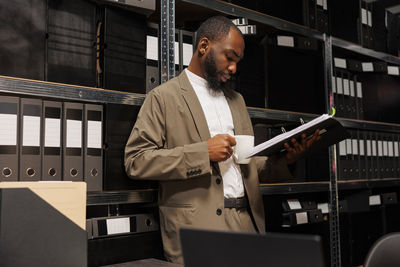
(298, 148)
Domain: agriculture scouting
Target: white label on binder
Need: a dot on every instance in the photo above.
(390, 146)
(393, 70)
(152, 48)
(187, 53)
(94, 134)
(176, 54)
(8, 129)
(52, 132)
(339, 85)
(385, 148)
(364, 19)
(354, 143)
(374, 200)
(380, 148)
(333, 84)
(31, 128)
(374, 148)
(359, 89)
(74, 133)
(340, 62)
(352, 92)
(301, 218)
(285, 40)
(367, 66)
(346, 87)
(323, 207)
(118, 226)
(294, 204)
(362, 153)
(342, 148)
(369, 151)
(348, 146)
(320, 2)
(369, 18)
(396, 149)
(325, 4)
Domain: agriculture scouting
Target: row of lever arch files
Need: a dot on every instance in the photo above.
(369, 155)
(51, 141)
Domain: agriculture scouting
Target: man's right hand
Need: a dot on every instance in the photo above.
(220, 147)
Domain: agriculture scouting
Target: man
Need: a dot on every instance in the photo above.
(183, 137)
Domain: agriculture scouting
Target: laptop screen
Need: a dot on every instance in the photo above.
(232, 249)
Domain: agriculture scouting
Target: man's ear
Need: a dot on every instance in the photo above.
(203, 46)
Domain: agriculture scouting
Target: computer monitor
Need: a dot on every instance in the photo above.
(219, 249)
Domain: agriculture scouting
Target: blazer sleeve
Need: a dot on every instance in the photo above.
(146, 155)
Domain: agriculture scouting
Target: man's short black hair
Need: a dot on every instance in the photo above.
(215, 28)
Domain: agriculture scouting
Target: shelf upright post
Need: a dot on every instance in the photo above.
(333, 194)
(167, 40)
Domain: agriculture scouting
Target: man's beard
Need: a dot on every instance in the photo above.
(211, 76)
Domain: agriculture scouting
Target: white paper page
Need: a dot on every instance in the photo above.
(342, 148)
(152, 48)
(367, 66)
(187, 53)
(282, 137)
(324, 207)
(369, 18)
(294, 204)
(373, 144)
(346, 87)
(354, 145)
(320, 2)
(390, 148)
(301, 218)
(396, 149)
(374, 200)
(348, 146)
(176, 54)
(393, 70)
(385, 148)
(340, 62)
(285, 41)
(362, 153)
(339, 85)
(359, 90)
(94, 134)
(118, 226)
(364, 19)
(334, 84)
(31, 128)
(74, 134)
(8, 129)
(52, 135)
(325, 4)
(380, 149)
(352, 92)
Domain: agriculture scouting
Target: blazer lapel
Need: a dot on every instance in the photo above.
(194, 106)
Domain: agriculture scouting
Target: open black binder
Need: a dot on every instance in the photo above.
(330, 130)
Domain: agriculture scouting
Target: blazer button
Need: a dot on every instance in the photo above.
(219, 212)
(218, 180)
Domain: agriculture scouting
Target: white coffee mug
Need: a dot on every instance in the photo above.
(243, 145)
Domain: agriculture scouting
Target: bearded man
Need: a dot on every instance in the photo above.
(184, 135)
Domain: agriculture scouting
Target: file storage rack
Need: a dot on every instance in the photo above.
(172, 13)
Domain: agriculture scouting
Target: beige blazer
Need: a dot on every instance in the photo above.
(168, 143)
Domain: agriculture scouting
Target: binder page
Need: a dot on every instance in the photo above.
(187, 53)
(152, 48)
(52, 132)
(31, 128)
(282, 137)
(94, 134)
(8, 129)
(74, 133)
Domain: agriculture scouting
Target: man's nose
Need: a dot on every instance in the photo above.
(232, 68)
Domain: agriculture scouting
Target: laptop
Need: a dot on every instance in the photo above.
(202, 248)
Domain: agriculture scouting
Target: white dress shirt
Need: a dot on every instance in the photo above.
(219, 121)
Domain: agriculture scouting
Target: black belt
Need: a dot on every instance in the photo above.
(237, 203)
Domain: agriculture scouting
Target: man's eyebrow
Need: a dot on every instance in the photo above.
(234, 52)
